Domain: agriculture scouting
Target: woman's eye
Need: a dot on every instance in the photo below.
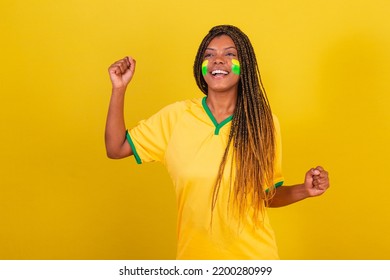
(231, 54)
(207, 55)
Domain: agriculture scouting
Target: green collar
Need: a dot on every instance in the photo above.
(217, 125)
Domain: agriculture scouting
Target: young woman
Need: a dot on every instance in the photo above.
(222, 152)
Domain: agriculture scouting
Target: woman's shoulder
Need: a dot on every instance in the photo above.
(177, 109)
(184, 105)
(188, 103)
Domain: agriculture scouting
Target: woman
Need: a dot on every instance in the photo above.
(222, 152)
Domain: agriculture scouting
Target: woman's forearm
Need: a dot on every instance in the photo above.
(115, 133)
(121, 73)
(286, 195)
(315, 184)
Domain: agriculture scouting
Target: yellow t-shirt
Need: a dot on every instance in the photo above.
(186, 138)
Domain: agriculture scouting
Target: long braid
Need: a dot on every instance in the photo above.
(252, 131)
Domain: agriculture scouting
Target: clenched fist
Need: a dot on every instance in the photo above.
(121, 72)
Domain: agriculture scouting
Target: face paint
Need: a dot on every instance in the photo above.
(236, 69)
(204, 67)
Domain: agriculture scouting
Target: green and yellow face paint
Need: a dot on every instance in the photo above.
(236, 69)
(204, 67)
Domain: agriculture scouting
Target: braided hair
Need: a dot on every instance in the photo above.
(252, 135)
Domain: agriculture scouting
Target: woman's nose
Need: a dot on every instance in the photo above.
(219, 59)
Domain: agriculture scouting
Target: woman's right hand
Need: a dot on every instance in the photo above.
(121, 72)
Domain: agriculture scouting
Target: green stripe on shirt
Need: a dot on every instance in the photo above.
(136, 156)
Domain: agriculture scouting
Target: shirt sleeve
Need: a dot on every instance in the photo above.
(150, 137)
(278, 175)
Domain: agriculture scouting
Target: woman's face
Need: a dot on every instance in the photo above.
(220, 67)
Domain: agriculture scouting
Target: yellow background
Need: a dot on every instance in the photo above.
(325, 65)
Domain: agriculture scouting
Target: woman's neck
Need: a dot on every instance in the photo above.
(221, 105)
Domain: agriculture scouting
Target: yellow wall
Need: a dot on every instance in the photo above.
(325, 64)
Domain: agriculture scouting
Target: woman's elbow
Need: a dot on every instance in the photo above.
(118, 153)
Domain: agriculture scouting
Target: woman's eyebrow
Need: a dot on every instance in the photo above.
(227, 48)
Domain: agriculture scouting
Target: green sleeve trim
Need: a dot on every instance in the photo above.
(277, 185)
(136, 156)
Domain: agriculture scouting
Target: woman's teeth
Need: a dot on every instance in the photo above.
(216, 72)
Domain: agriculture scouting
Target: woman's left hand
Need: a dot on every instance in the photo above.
(316, 181)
